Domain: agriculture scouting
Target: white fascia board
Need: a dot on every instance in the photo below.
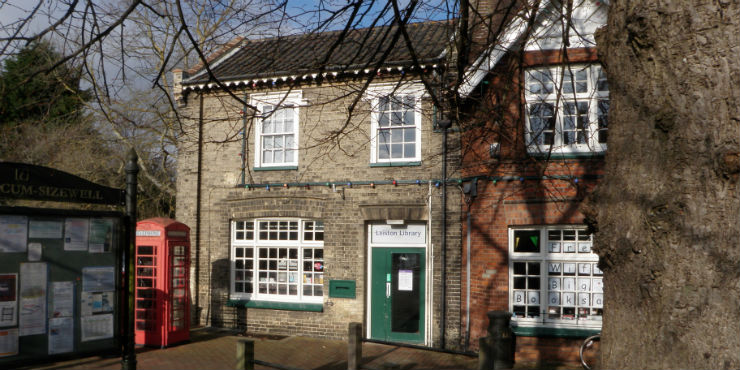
(486, 61)
(218, 61)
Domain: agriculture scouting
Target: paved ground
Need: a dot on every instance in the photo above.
(216, 349)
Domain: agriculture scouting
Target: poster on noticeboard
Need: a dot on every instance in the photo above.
(8, 299)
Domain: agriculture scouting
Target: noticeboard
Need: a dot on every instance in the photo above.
(60, 283)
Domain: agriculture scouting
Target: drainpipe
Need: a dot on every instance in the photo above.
(467, 284)
(470, 190)
(244, 141)
(198, 207)
(444, 124)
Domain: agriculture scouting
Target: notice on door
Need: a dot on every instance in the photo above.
(405, 280)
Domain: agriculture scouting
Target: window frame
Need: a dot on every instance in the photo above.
(301, 244)
(374, 95)
(558, 99)
(282, 100)
(544, 257)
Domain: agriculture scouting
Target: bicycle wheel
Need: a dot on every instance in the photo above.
(588, 352)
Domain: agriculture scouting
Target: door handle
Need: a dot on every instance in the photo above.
(387, 290)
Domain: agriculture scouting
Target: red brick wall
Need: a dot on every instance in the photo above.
(546, 350)
(521, 198)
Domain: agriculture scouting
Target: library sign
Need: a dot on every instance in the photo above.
(398, 234)
(24, 181)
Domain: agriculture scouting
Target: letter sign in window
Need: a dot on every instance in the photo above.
(569, 299)
(518, 297)
(555, 299)
(554, 247)
(554, 284)
(598, 300)
(569, 284)
(569, 247)
(533, 297)
(584, 285)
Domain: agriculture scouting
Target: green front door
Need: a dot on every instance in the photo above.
(397, 294)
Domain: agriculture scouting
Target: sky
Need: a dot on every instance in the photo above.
(299, 16)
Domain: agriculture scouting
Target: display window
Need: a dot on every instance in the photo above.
(277, 260)
(554, 278)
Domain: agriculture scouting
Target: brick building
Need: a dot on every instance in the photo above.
(315, 192)
(532, 150)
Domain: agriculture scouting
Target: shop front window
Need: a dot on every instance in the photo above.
(554, 278)
(277, 259)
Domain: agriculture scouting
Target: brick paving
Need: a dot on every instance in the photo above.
(216, 349)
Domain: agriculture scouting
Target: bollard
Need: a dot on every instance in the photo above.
(354, 346)
(496, 351)
(502, 339)
(245, 354)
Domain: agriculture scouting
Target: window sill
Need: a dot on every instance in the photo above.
(539, 331)
(276, 168)
(395, 164)
(575, 155)
(287, 306)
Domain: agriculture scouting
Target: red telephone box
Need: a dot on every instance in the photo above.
(162, 284)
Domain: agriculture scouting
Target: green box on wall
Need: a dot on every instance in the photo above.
(342, 288)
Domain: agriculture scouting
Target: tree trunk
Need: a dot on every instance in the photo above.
(667, 212)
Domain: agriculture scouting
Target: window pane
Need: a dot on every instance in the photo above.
(268, 126)
(409, 135)
(408, 118)
(267, 142)
(575, 121)
(383, 104)
(395, 103)
(520, 282)
(384, 137)
(288, 123)
(278, 156)
(542, 123)
(603, 115)
(409, 150)
(383, 119)
(409, 101)
(384, 151)
(527, 241)
(290, 141)
(397, 151)
(601, 84)
(575, 81)
(396, 118)
(397, 135)
(266, 156)
(520, 268)
(541, 82)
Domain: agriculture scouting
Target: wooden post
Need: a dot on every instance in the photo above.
(354, 346)
(245, 354)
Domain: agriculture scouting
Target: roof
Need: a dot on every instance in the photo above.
(319, 52)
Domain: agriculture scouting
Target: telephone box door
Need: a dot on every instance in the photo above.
(179, 306)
